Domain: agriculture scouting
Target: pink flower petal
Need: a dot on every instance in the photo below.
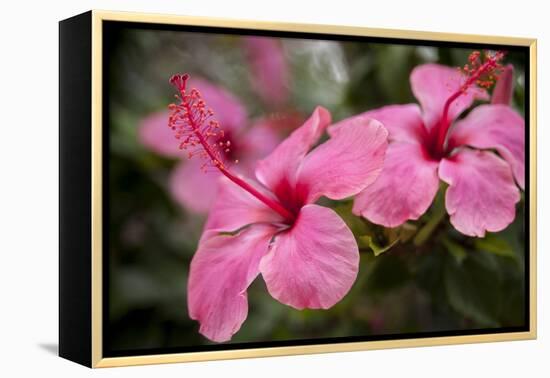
(259, 140)
(345, 164)
(228, 110)
(498, 127)
(155, 134)
(404, 190)
(269, 69)
(282, 164)
(504, 89)
(432, 84)
(482, 195)
(403, 122)
(314, 263)
(192, 188)
(235, 208)
(221, 271)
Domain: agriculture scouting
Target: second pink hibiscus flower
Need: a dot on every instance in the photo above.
(426, 146)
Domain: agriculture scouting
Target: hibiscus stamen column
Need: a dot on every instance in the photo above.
(191, 122)
(481, 71)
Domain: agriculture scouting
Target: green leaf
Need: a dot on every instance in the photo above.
(495, 245)
(456, 250)
(367, 241)
(380, 240)
(388, 273)
(355, 223)
(402, 233)
(436, 215)
(474, 288)
(394, 64)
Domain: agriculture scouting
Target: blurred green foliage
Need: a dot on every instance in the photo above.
(420, 277)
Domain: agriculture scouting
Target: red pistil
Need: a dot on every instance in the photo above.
(480, 71)
(191, 121)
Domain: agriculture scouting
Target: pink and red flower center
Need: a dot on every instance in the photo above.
(200, 135)
(482, 71)
(292, 197)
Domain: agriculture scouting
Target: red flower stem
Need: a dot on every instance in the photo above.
(445, 124)
(276, 206)
(271, 203)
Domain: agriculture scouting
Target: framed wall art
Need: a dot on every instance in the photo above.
(235, 189)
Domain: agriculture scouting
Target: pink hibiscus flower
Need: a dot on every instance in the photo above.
(428, 145)
(306, 254)
(269, 69)
(245, 144)
(504, 88)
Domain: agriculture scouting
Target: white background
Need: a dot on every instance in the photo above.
(29, 189)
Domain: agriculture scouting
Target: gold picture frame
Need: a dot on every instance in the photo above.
(97, 358)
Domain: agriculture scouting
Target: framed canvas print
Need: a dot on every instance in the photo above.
(236, 189)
